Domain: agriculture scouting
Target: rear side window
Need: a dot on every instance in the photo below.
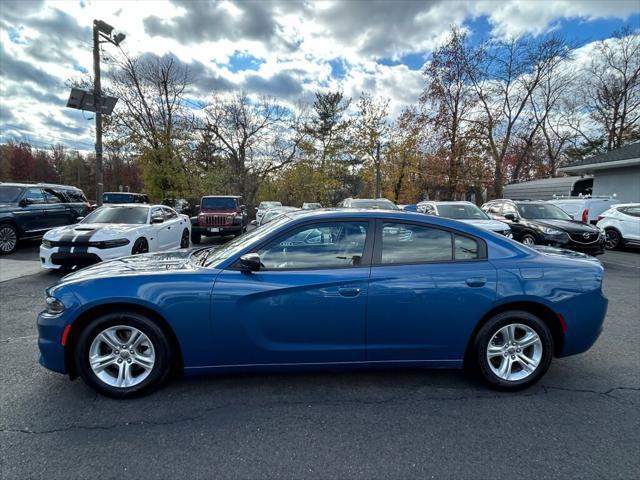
(466, 248)
(633, 211)
(54, 196)
(406, 243)
(494, 208)
(34, 195)
(76, 196)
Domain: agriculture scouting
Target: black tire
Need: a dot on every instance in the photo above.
(162, 349)
(613, 239)
(195, 238)
(8, 238)
(478, 353)
(140, 246)
(528, 237)
(184, 240)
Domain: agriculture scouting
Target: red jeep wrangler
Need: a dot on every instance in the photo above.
(219, 215)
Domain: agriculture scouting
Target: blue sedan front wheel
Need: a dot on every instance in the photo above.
(123, 354)
(513, 350)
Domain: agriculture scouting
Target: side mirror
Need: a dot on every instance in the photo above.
(157, 220)
(79, 219)
(250, 262)
(24, 202)
(254, 222)
(511, 217)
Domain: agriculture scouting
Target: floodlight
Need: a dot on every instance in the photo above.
(103, 27)
(119, 38)
(85, 100)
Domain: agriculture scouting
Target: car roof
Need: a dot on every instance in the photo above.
(146, 205)
(448, 202)
(222, 196)
(41, 185)
(124, 193)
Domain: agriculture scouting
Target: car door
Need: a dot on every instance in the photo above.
(630, 221)
(57, 212)
(172, 224)
(428, 288)
(306, 305)
(159, 228)
(31, 213)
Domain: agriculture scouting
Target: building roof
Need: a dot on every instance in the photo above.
(626, 156)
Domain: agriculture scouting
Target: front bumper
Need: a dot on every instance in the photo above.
(564, 241)
(50, 330)
(54, 258)
(222, 230)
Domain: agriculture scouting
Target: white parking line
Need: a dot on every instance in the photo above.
(621, 264)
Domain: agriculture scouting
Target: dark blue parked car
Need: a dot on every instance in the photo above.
(349, 288)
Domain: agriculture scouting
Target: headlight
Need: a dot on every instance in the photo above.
(54, 306)
(46, 243)
(120, 242)
(550, 231)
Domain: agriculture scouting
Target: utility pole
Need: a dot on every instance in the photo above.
(97, 93)
(378, 175)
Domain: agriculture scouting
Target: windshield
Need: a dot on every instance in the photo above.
(542, 211)
(269, 204)
(128, 215)
(217, 255)
(222, 203)
(461, 211)
(9, 194)
(117, 198)
(380, 203)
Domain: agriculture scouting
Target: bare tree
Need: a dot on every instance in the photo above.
(610, 92)
(504, 76)
(255, 137)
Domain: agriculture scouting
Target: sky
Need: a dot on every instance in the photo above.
(283, 48)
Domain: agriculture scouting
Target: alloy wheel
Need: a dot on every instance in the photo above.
(8, 239)
(528, 240)
(184, 241)
(122, 356)
(612, 239)
(514, 352)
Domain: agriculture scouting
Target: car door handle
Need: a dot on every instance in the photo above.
(349, 291)
(476, 281)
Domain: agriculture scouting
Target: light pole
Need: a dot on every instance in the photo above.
(100, 30)
(378, 173)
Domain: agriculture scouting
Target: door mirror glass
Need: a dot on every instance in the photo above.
(510, 216)
(79, 219)
(250, 262)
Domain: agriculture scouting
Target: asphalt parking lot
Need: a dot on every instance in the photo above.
(581, 421)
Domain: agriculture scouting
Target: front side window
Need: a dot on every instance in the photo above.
(508, 208)
(494, 208)
(407, 243)
(169, 214)
(34, 195)
(322, 245)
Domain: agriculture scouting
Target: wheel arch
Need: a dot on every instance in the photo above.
(11, 221)
(85, 317)
(546, 314)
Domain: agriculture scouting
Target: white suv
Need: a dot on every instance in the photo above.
(584, 209)
(621, 224)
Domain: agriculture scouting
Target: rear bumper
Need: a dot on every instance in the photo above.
(584, 317)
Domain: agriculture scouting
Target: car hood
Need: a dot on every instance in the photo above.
(571, 226)
(562, 252)
(94, 231)
(149, 263)
(493, 225)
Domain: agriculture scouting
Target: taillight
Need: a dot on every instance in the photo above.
(585, 215)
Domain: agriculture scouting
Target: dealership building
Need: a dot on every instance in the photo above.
(611, 173)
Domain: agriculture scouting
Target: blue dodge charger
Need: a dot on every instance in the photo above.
(326, 288)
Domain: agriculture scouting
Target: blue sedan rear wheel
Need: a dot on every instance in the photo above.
(513, 350)
(123, 354)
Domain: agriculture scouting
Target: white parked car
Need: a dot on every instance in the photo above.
(114, 231)
(584, 209)
(621, 225)
(466, 212)
(262, 209)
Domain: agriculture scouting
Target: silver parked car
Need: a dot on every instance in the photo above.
(466, 212)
